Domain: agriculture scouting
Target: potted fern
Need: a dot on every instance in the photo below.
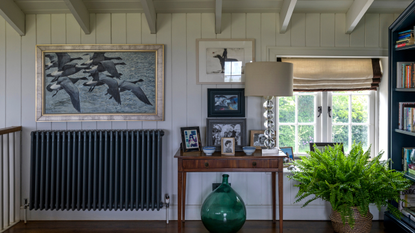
(350, 183)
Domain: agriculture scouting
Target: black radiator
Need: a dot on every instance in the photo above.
(96, 170)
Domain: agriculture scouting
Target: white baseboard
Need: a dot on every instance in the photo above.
(254, 212)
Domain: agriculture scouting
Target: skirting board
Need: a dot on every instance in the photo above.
(291, 212)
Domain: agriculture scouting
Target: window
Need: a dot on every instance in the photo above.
(350, 119)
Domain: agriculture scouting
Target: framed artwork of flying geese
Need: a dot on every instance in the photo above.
(100, 82)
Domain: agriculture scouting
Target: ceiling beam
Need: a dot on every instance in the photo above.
(218, 16)
(12, 13)
(81, 14)
(151, 16)
(286, 13)
(355, 13)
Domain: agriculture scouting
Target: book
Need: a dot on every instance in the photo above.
(406, 214)
(401, 113)
(410, 30)
(409, 196)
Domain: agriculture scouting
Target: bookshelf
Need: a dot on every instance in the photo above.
(399, 138)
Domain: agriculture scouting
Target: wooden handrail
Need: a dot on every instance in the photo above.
(10, 130)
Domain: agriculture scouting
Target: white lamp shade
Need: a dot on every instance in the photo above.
(268, 79)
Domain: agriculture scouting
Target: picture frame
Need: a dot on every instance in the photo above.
(289, 151)
(222, 61)
(228, 146)
(257, 139)
(191, 140)
(322, 145)
(217, 128)
(226, 102)
(99, 82)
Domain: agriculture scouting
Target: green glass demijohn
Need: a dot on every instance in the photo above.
(223, 211)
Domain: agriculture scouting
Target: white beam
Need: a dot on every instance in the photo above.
(218, 16)
(286, 13)
(81, 14)
(150, 12)
(355, 13)
(12, 13)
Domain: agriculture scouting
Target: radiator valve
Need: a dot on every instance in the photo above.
(167, 200)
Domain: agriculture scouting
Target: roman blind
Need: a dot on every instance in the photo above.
(335, 74)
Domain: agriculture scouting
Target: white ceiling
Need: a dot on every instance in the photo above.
(14, 11)
(204, 6)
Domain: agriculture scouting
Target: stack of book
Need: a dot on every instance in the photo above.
(408, 208)
(405, 75)
(405, 38)
(406, 116)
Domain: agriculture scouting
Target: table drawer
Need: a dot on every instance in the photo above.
(259, 163)
(251, 163)
(206, 164)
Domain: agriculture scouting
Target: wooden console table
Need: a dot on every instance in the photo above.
(240, 162)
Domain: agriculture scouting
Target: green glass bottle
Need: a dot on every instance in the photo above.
(223, 211)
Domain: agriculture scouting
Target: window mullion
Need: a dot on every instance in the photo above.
(350, 120)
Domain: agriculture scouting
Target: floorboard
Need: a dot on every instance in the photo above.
(162, 227)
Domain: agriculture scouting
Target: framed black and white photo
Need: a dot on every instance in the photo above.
(222, 61)
(218, 128)
(191, 140)
(228, 146)
(257, 138)
(226, 102)
(100, 82)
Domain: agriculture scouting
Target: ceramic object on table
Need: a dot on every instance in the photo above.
(223, 211)
(209, 150)
(249, 150)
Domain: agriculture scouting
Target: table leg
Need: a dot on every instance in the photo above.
(274, 197)
(280, 196)
(184, 196)
(179, 201)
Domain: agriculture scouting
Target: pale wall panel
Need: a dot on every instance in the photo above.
(238, 25)
(193, 113)
(179, 91)
(298, 32)
(341, 38)
(43, 36)
(357, 37)
(327, 30)
(3, 95)
(164, 27)
(372, 30)
(282, 39)
(312, 28)
(385, 20)
(208, 25)
(58, 33)
(28, 93)
(226, 26)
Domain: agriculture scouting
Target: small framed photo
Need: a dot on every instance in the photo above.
(226, 102)
(222, 61)
(191, 140)
(218, 128)
(228, 146)
(289, 152)
(257, 138)
(322, 145)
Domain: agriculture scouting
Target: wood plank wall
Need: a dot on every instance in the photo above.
(185, 102)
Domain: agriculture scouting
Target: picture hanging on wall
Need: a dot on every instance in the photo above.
(222, 61)
(99, 82)
(226, 102)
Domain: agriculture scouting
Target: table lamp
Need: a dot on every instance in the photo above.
(269, 79)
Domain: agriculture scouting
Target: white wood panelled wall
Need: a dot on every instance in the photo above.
(185, 101)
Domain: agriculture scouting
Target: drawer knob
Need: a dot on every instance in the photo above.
(254, 164)
(206, 164)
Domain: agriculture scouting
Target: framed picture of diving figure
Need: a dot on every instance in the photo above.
(100, 82)
(222, 61)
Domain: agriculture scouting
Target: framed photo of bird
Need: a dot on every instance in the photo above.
(222, 61)
(226, 102)
(100, 82)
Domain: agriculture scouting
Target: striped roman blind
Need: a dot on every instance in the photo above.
(335, 74)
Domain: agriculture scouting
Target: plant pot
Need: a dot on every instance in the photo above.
(362, 224)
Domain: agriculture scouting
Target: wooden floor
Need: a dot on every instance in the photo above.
(162, 227)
